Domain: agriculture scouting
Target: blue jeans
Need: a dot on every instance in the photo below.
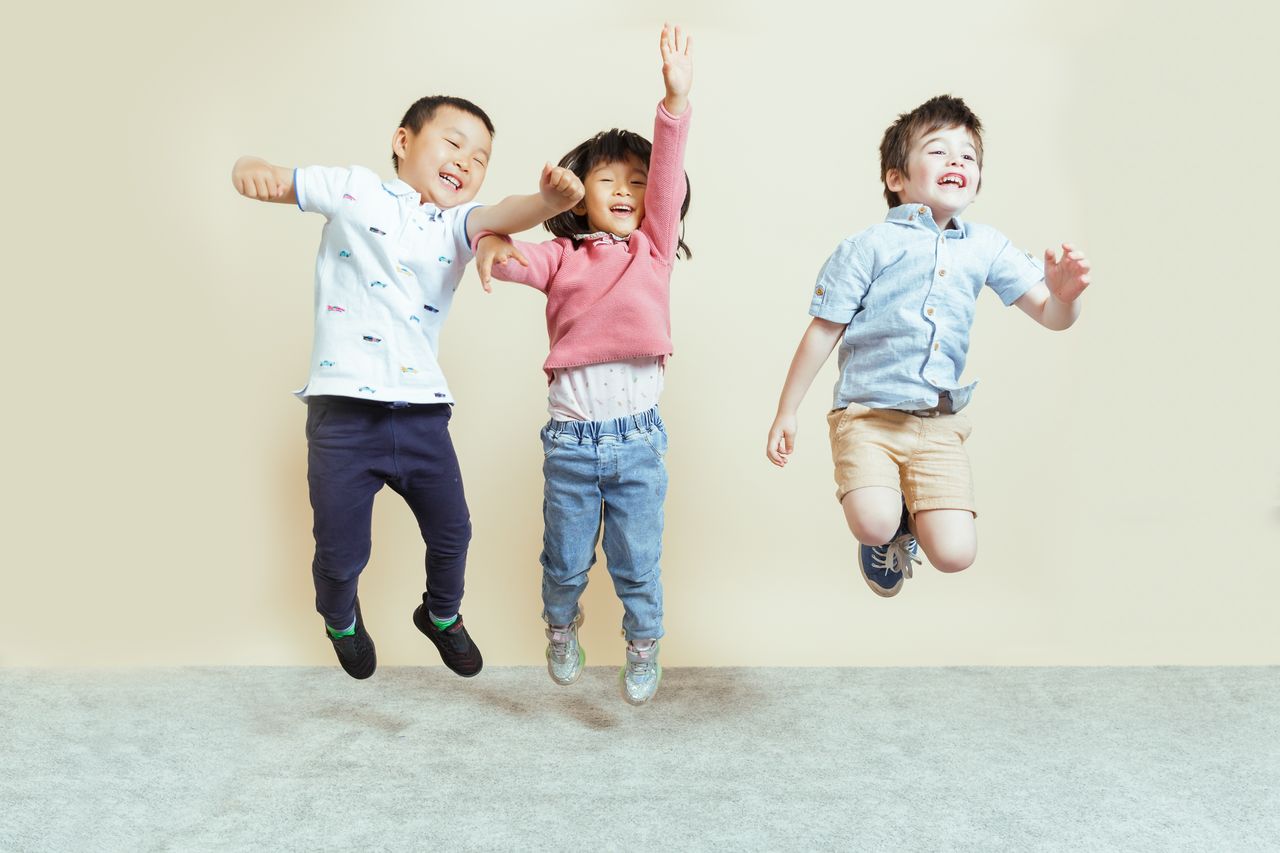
(610, 474)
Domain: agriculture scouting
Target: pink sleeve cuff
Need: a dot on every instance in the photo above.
(475, 241)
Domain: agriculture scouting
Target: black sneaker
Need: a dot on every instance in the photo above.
(454, 643)
(356, 652)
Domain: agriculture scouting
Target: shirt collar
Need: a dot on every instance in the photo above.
(400, 189)
(920, 214)
(604, 236)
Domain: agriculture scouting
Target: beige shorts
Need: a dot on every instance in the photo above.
(922, 457)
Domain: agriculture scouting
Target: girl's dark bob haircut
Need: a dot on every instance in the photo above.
(610, 146)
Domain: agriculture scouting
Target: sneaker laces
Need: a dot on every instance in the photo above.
(559, 640)
(642, 664)
(897, 556)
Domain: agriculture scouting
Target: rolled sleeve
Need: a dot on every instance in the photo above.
(843, 283)
(1013, 273)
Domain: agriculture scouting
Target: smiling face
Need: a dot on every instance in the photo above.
(615, 196)
(445, 161)
(942, 172)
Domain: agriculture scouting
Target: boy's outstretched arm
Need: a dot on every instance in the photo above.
(819, 340)
(254, 177)
(558, 190)
(1054, 303)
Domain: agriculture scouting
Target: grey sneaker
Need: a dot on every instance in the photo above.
(565, 655)
(641, 675)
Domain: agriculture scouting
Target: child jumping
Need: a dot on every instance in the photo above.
(378, 407)
(899, 300)
(606, 277)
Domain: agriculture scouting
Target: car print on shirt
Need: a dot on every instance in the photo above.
(344, 254)
(414, 318)
(348, 197)
(445, 260)
(403, 270)
(411, 371)
(365, 389)
(371, 339)
(327, 363)
(377, 284)
(438, 394)
(335, 309)
(378, 231)
(433, 309)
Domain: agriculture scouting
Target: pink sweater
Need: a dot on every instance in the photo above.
(609, 300)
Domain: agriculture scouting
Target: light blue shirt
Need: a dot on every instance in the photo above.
(386, 272)
(906, 292)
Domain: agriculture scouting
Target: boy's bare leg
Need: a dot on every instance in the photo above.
(873, 513)
(949, 538)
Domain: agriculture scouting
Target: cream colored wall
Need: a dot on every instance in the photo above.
(1128, 470)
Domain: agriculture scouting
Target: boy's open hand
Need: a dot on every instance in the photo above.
(677, 67)
(782, 439)
(491, 250)
(560, 187)
(255, 178)
(1066, 278)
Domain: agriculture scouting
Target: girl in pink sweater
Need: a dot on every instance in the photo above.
(606, 277)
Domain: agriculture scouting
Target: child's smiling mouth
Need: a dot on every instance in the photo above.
(452, 181)
(622, 210)
(953, 179)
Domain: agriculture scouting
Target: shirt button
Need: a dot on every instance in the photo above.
(930, 312)
(942, 272)
(935, 347)
(920, 210)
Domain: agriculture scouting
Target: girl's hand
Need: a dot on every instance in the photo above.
(491, 250)
(560, 188)
(677, 68)
(782, 439)
(1066, 278)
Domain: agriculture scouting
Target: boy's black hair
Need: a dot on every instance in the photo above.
(424, 109)
(610, 146)
(934, 114)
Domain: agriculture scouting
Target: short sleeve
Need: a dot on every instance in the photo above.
(1013, 272)
(320, 188)
(843, 282)
(461, 244)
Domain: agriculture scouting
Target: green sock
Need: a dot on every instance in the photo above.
(346, 632)
(441, 624)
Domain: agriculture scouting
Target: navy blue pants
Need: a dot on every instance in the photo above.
(353, 448)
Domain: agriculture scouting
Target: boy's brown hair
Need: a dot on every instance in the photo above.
(934, 114)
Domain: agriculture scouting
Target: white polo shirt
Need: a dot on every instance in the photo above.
(386, 272)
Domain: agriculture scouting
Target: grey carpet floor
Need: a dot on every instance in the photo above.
(724, 759)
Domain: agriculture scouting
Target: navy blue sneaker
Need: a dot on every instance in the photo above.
(356, 651)
(885, 566)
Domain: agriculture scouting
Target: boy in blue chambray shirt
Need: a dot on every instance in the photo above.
(899, 299)
(391, 256)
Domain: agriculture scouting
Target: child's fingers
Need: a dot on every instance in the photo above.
(516, 255)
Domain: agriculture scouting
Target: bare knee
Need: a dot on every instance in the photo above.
(952, 557)
(873, 514)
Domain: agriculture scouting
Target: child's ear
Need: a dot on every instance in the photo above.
(399, 142)
(580, 208)
(894, 180)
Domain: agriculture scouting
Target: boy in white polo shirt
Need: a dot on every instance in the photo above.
(391, 256)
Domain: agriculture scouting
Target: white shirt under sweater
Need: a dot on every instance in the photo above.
(605, 391)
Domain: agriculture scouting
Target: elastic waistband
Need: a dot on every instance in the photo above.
(360, 403)
(618, 427)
